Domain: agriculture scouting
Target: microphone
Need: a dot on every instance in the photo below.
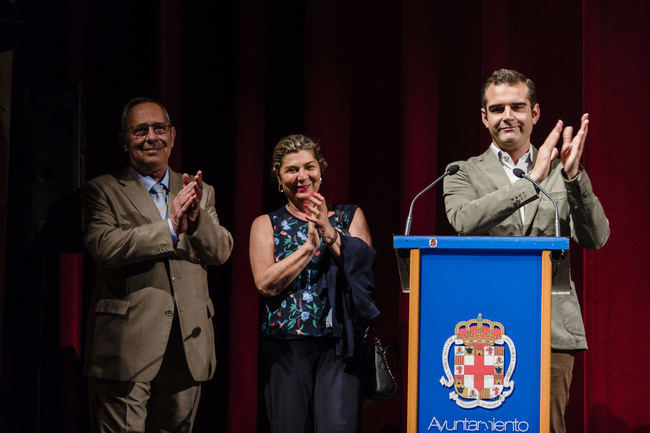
(520, 173)
(452, 169)
(194, 334)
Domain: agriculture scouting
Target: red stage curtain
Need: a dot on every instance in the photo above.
(249, 172)
(418, 155)
(70, 332)
(617, 294)
(392, 92)
(387, 133)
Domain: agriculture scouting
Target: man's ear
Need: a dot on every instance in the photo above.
(536, 114)
(484, 117)
(173, 138)
(122, 140)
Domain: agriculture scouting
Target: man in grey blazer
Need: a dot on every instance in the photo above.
(486, 199)
(152, 233)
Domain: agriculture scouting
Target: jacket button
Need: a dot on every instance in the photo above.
(173, 278)
(169, 313)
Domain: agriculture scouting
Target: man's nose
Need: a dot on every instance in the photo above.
(151, 136)
(507, 112)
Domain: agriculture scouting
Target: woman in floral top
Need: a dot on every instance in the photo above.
(306, 386)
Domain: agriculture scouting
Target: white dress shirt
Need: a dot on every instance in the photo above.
(525, 163)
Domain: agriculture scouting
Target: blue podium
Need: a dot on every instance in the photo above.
(479, 332)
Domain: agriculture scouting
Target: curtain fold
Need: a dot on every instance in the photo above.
(392, 92)
(249, 178)
(444, 54)
(616, 73)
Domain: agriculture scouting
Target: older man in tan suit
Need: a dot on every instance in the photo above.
(152, 233)
(485, 198)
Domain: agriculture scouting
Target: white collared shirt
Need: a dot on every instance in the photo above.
(149, 181)
(525, 163)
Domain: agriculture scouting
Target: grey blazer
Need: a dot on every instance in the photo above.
(142, 279)
(481, 201)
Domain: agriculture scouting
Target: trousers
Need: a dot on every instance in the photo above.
(561, 376)
(166, 404)
(307, 388)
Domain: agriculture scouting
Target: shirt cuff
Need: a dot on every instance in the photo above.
(576, 178)
(172, 232)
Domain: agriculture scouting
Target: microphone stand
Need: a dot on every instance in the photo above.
(452, 169)
(522, 174)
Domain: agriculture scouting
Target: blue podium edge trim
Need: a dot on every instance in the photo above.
(480, 242)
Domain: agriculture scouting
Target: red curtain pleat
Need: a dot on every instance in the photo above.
(617, 293)
(444, 53)
(392, 93)
(249, 171)
(327, 92)
(419, 158)
(70, 302)
(169, 69)
(70, 332)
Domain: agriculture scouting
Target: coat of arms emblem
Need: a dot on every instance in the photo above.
(480, 376)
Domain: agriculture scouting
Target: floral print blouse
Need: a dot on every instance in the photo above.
(301, 310)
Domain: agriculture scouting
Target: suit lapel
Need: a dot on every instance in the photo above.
(137, 194)
(489, 164)
(175, 185)
(493, 170)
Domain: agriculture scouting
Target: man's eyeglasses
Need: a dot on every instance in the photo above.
(142, 130)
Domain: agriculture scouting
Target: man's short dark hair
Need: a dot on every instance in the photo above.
(510, 77)
(137, 101)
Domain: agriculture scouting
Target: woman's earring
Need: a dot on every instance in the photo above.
(280, 188)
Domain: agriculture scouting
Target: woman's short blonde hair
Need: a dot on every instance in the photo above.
(295, 143)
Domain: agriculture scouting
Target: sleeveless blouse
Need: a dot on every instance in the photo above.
(302, 309)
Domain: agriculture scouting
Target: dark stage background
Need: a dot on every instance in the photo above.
(390, 88)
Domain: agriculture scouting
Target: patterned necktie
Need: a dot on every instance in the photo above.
(159, 199)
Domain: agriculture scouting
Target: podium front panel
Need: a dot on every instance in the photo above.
(461, 287)
(482, 334)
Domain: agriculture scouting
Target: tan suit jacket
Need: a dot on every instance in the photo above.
(481, 201)
(142, 279)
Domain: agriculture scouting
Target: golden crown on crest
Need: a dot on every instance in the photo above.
(479, 331)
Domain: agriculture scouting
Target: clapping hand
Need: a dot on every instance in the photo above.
(570, 153)
(197, 184)
(572, 147)
(546, 154)
(180, 208)
(185, 208)
(318, 214)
